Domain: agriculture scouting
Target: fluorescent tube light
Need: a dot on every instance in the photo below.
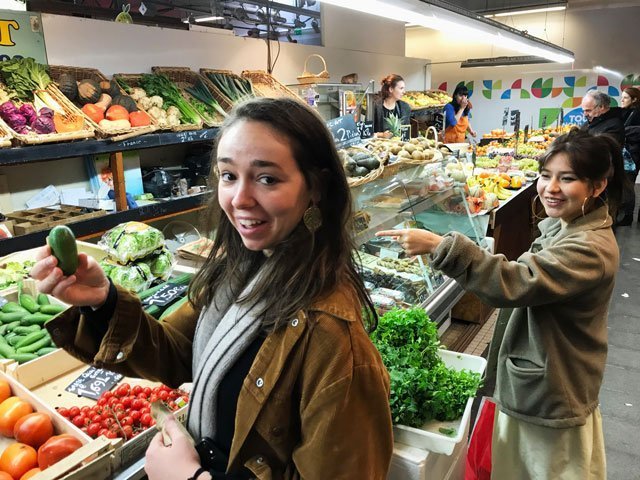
(559, 8)
(503, 61)
(434, 16)
(208, 19)
(601, 69)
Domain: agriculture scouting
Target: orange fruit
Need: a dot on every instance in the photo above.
(17, 459)
(5, 390)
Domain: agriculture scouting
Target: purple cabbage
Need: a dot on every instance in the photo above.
(29, 113)
(45, 112)
(44, 124)
(15, 120)
(7, 108)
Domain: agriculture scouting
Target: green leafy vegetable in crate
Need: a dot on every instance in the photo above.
(131, 241)
(12, 272)
(422, 386)
(135, 276)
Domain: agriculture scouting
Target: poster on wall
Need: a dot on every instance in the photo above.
(21, 36)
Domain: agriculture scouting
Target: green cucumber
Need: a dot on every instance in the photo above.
(174, 307)
(52, 309)
(14, 339)
(22, 357)
(3, 330)
(6, 350)
(28, 302)
(35, 319)
(32, 337)
(12, 317)
(12, 325)
(10, 307)
(32, 347)
(182, 279)
(22, 330)
(63, 246)
(43, 299)
(46, 351)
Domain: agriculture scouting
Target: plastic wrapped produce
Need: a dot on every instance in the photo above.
(131, 241)
(135, 277)
(160, 264)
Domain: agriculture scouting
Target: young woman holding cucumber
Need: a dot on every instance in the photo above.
(287, 384)
(552, 356)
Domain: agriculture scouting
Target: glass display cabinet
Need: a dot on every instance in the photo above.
(419, 196)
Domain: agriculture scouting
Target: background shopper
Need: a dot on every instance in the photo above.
(286, 382)
(630, 102)
(552, 357)
(388, 105)
(457, 116)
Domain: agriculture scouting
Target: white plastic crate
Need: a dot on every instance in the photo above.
(428, 437)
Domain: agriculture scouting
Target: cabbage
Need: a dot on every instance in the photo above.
(45, 112)
(15, 120)
(7, 108)
(43, 125)
(136, 277)
(29, 113)
(160, 264)
(131, 241)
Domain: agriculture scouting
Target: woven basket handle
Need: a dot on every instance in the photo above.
(324, 63)
(433, 130)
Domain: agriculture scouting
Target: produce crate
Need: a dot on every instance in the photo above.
(37, 138)
(428, 437)
(78, 73)
(184, 77)
(265, 85)
(90, 249)
(133, 80)
(5, 135)
(205, 73)
(49, 383)
(27, 221)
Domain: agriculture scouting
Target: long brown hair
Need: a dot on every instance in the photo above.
(304, 267)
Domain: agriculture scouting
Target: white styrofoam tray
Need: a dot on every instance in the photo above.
(428, 437)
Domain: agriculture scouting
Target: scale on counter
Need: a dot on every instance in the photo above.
(179, 233)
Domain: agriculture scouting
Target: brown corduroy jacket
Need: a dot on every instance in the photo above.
(315, 404)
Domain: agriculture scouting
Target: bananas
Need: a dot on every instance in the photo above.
(490, 184)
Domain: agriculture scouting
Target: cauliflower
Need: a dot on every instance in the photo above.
(157, 113)
(173, 111)
(138, 94)
(145, 103)
(157, 101)
(173, 120)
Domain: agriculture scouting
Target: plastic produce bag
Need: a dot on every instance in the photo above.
(478, 466)
(136, 276)
(131, 241)
(160, 264)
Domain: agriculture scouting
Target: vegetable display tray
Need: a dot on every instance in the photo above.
(87, 130)
(27, 221)
(183, 77)
(78, 74)
(133, 80)
(205, 73)
(429, 437)
(266, 85)
(5, 136)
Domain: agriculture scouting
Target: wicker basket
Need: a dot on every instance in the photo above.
(81, 73)
(183, 77)
(205, 73)
(133, 80)
(5, 136)
(371, 176)
(32, 138)
(307, 77)
(265, 85)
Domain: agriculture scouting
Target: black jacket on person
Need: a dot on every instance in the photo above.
(631, 117)
(610, 122)
(632, 133)
(379, 124)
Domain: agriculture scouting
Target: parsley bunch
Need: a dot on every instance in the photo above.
(422, 386)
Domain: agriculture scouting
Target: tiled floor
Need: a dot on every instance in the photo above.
(483, 338)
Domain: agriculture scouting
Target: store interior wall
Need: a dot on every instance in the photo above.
(113, 48)
(598, 36)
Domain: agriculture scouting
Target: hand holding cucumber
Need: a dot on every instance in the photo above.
(75, 278)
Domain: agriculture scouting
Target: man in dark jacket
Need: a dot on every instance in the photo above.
(601, 118)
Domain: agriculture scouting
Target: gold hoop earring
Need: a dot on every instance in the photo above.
(534, 213)
(584, 203)
(312, 218)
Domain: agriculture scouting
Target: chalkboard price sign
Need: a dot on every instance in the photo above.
(344, 131)
(365, 129)
(93, 382)
(167, 294)
(438, 121)
(405, 133)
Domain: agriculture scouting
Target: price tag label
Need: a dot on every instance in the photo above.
(344, 131)
(438, 121)
(515, 119)
(93, 382)
(167, 294)
(388, 253)
(505, 117)
(365, 129)
(405, 133)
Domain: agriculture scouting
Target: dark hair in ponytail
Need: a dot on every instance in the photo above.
(592, 158)
(389, 82)
(460, 90)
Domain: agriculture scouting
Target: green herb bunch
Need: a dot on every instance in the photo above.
(422, 386)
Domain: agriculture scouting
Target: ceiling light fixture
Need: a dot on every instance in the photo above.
(557, 8)
(208, 19)
(438, 15)
(503, 61)
(601, 69)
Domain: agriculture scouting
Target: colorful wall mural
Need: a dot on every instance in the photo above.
(542, 100)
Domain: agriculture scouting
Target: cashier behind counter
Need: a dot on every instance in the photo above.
(389, 104)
